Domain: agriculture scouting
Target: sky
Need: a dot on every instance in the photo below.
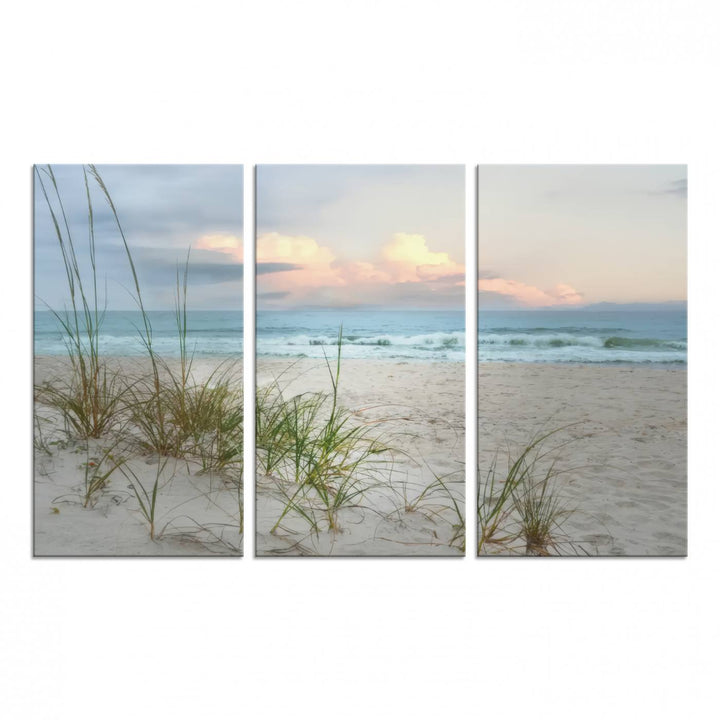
(392, 236)
(567, 236)
(383, 236)
(164, 210)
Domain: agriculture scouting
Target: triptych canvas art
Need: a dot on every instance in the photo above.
(360, 356)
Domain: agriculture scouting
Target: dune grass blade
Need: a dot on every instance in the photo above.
(90, 402)
(181, 320)
(518, 504)
(147, 500)
(541, 512)
(97, 471)
(442, 484)
(283, 428)
(332, 461)
(162, 435)
(40, 443)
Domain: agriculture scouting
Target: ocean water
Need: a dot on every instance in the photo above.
(382, 334)
(582, 336)
(562, 336)
(210, 333)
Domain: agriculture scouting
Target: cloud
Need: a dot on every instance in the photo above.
(409, 259)
(157, 266)
(362, 272)
(412, 250)
(318, 276)
(567, 295)
(264, 268)
(313, 264)
(677, 187)
(528, 295)
(272, 295)
(164, 209)
(225, 243)
(319, 200)
(173, 204)
(208, 273)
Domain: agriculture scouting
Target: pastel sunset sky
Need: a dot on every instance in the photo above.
(571, 235)
(387, 236)
(164, 210)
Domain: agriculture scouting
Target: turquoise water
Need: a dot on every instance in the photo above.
(582, 336)
(382, 334)
(210, 333)
(572, 336)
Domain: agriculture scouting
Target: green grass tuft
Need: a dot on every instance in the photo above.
(523, 509)
(164, 410)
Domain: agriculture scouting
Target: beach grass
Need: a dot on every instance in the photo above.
(523, 509)
(91, 401)
(329, 467)
(310, 442)
(41, 444)
(434, 500)
(97, 470)
(163, 410)
(542, 512)
(147, 499)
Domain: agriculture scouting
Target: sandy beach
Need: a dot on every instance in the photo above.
(626, 459)
(623, 460)
(421, 407)
(197, 513)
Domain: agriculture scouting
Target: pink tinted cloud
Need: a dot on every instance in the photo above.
(530, 295)
(222, 243)
(315, 262)
(405, 258)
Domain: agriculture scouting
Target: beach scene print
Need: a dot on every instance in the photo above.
(138, 335)
(360, 341)
(582, 348)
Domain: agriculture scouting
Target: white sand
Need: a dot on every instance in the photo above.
(197, 514)
(628, 461)
(626, 481)
(424, 404)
